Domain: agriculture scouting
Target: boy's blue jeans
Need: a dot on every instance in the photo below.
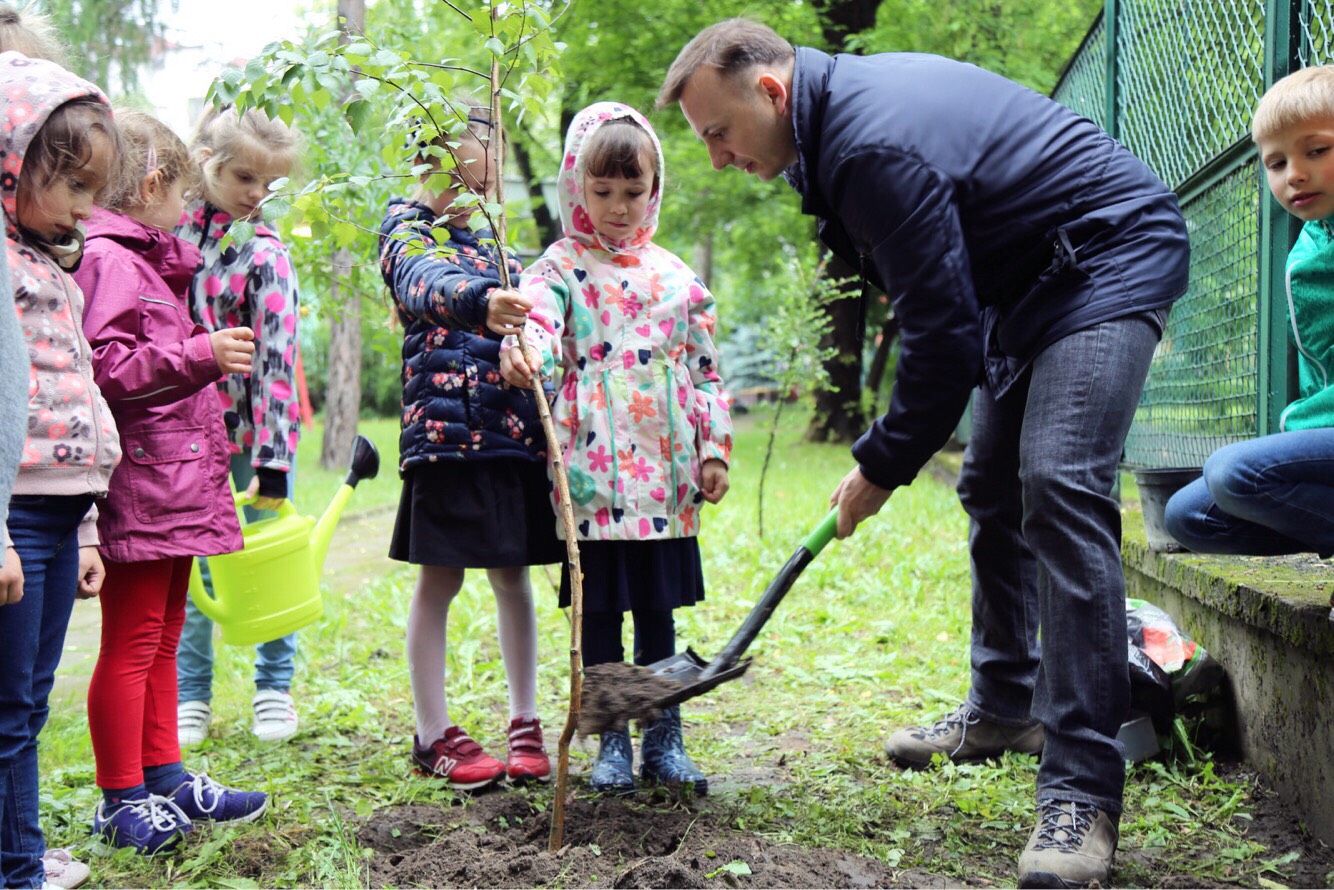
(32, 636)
(1263, 497)
(1045, 540)
(275, 661)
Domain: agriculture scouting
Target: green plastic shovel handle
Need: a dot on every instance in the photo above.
(773, 595)
(823, 534)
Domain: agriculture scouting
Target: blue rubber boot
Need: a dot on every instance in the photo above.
(664, 755)
(614, 770)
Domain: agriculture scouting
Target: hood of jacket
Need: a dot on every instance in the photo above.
(33, 89)
(170, 257)
(574, 218)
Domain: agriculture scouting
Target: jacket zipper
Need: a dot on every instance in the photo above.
(95, 418)
(670, 456)
(611, 428)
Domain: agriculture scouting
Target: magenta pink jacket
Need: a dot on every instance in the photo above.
(170, 496)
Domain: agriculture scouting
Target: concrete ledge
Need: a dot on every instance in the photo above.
(1266, 620)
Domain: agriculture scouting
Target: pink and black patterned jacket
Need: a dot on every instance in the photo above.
(252, 285)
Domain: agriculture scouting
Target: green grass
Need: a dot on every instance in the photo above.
(873, 637)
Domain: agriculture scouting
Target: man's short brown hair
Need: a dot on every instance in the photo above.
(1299, 98)
(730, 47)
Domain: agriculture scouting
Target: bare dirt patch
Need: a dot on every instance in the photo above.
(499, 840)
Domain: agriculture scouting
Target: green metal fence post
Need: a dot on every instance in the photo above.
(1278, 230)
(1110, 122)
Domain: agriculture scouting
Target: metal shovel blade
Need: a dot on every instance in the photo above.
(698, 676)
(692, 673)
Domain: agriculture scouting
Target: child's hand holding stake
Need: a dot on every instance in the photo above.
(507, 310)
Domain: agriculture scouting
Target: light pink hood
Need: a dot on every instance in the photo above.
(30, 89)
(573, 213)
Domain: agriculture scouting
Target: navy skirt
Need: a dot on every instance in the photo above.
(483, 514)
(621, 576)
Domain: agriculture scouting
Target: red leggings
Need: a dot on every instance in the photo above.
(132, 696)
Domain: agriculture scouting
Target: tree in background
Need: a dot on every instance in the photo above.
(343, 403)
(107, 34)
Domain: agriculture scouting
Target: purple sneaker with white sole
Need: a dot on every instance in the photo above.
(203, 800)
(149, 824)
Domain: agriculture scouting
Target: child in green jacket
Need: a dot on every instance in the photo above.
(1275, 494)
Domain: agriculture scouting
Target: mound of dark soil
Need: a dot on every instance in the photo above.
(498, 840)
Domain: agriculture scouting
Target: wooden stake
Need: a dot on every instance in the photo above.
(557, 838)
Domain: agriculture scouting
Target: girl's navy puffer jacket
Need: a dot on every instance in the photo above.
(456, 406)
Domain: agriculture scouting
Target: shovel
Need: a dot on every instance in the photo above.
(696, 676)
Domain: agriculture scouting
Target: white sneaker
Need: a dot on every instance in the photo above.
(275, 716)
(192, 720)
(63, 870)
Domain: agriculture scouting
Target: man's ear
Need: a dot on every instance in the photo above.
(775, 90)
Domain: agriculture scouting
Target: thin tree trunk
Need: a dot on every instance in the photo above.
(838, 409)
(548, 226)
(342, 399)
(557, 837)
(703, 264)
(875, 374)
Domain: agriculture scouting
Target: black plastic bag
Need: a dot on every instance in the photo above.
(1166, 665)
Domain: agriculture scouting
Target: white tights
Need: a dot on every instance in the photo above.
(428, 616)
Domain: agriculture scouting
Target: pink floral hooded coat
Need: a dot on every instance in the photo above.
(639, 402)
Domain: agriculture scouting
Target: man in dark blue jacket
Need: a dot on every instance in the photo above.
(1027, 255)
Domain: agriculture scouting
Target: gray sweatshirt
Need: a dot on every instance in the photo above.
(14, 371)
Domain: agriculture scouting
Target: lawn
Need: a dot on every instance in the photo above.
(874, 636)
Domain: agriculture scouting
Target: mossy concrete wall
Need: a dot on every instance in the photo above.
(1267, 621)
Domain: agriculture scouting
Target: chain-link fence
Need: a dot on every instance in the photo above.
(1316, 41)
(1178, 91)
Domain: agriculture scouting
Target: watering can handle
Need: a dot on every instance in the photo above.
(286, 508)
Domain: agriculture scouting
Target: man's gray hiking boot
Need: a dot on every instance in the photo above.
(962, 736)
(1071, 846)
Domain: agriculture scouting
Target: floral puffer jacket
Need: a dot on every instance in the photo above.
(456, 406)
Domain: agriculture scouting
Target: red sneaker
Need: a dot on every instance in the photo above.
(527, 761)
(457, 759)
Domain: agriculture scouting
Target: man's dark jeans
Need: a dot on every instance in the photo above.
(32, 636)
(1045, 539)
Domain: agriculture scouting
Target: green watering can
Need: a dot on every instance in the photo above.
(272, 587)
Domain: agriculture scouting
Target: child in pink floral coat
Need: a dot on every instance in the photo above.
(640, 411)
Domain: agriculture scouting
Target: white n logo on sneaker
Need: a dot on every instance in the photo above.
(445, 765)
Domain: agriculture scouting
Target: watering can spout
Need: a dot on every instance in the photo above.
(365, 464)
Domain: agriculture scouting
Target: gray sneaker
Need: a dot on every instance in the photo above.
(962, 736)
(1071, 846)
